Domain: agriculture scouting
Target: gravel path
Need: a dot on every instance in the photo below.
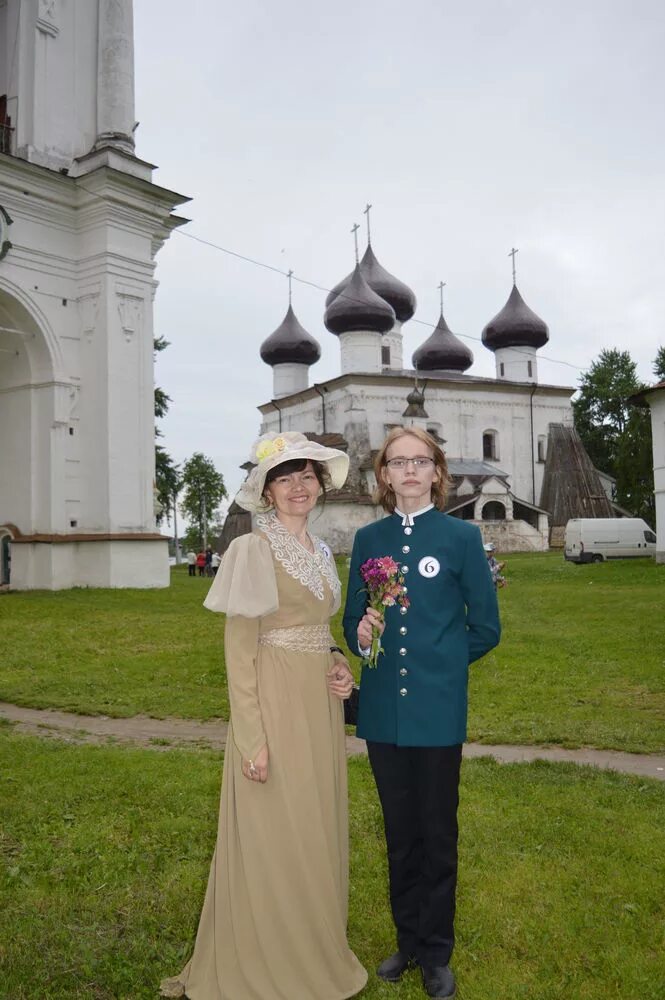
(163, 734)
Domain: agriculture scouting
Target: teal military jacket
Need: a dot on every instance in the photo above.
(417, 695)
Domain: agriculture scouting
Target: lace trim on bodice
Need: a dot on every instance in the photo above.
(308, 568)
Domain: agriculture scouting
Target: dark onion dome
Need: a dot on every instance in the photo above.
(290, 344)
(442, 351)
(394, 291)
(357, 307)
(515, 326)
(416, 404)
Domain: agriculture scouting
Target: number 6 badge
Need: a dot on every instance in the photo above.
(429, 566)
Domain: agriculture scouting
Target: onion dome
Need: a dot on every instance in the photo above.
(416, 404)
(394, 291)
(515, 326)
(357, 307)
(442, 350)
(290, 344)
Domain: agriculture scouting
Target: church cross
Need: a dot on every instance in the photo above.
(289, 276)
(513, 253)
(366, 212)
(354, 230)
(441, 286)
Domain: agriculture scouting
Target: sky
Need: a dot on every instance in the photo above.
(471, 129)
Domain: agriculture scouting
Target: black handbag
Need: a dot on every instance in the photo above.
(351, 707)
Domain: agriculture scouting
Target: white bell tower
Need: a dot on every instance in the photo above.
(83, 222)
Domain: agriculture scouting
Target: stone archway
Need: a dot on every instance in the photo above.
(27, 415)
(494, 510)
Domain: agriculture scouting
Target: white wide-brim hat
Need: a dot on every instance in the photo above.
(272, 449)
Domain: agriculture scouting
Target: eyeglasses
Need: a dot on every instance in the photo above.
(401, 463)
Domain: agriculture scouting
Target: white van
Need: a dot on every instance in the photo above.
(593, 539)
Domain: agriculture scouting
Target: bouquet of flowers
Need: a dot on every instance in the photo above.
(385, 587)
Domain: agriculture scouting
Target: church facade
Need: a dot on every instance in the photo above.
(82, 222)
(494, 431)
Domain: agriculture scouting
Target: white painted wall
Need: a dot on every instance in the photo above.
(288, 378)
(360, 351)
(656, 400)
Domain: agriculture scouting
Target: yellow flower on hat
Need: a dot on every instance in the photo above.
(266, 449)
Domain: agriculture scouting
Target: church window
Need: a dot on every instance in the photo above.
(542, 447)
(502, 369)
(385, 355)
(490, 445)
(5, 127)
(529, 368)
(494, 511)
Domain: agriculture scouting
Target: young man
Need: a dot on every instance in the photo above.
(413, 705)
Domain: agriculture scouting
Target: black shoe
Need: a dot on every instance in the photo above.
(438, 981)
(392, 969)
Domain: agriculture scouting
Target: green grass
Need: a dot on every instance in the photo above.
(582, 660)
(104, 854)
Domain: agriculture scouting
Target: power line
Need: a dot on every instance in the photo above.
(324, 288)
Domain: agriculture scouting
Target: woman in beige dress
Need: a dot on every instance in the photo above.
(273, 925)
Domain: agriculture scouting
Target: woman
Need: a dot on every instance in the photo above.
(413, 705)
(273, 925)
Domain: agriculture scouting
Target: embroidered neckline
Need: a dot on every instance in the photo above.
(308, 568)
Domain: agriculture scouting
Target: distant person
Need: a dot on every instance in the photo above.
(201, 563)
(191, 563)
(495, 566)
(273, 925)
(208, 561)
(214, 562)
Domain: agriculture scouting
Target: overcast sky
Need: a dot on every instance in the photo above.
(471, 128)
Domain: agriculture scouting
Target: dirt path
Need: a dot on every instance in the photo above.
(163, 734)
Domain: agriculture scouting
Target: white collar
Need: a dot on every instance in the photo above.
(407, 519)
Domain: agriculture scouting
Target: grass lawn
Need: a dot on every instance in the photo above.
(582, 660)
(104, 854)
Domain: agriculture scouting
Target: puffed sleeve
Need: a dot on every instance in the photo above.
(245, 583)
(241, 641)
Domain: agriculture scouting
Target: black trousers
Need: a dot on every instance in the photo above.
(419, 792)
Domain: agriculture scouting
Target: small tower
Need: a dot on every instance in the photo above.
(392, 290)
(442, 351)
(290, 350)
(360, 318)
(415, 414)
(514, 335)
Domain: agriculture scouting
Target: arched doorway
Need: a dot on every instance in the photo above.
(27, 416)
(494, 510)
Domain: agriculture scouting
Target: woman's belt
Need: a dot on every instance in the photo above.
(300, 638)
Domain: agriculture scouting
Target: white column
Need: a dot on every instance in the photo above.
(361, 351)
(115, 75)
(288, 378)
(516, 364)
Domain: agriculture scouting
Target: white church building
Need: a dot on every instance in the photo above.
(81, 222)
(494, 430)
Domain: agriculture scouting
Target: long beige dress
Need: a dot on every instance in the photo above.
(273, 925)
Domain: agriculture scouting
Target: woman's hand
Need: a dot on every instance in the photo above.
(340, 679)
(257, 769)
(371, 619)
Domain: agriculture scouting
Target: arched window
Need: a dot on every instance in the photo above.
(542, 448)
(494, 511)
(491, 445)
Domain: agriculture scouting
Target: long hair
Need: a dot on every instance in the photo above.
(384, 493)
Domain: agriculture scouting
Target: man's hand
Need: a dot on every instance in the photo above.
(257, 769)
(371, 619)
(340, 679)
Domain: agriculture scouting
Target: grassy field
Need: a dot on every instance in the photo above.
(104, 854)
(582, 660)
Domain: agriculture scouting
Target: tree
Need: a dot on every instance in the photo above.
(203, 492)
(602, 409)
(617, 435)
(167, 478)
(162, 400)
(659, 365)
